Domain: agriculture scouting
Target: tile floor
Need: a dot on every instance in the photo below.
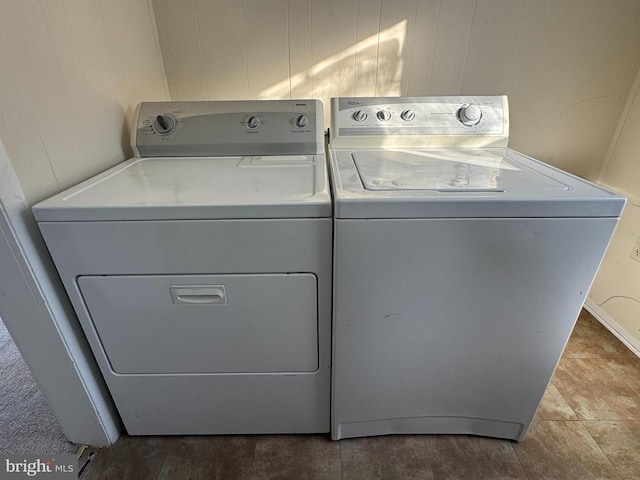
(588, 427)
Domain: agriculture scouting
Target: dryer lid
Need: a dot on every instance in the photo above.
(290, 186)
(448, 170)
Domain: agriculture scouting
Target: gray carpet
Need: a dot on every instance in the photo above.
(27, 424)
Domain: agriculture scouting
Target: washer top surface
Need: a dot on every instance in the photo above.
(460, 183)
(450, 170)
(278, 186)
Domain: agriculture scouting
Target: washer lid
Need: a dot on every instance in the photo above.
(460, 183)
(291, 186)
(448, 171)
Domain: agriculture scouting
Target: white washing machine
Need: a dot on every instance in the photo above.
(460, 267)
(200, 270)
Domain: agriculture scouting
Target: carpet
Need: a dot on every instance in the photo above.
(27, 423)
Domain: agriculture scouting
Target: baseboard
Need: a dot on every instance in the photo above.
(614, 327)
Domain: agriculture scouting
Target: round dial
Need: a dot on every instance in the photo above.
(301, 121)
(253, 122)
(163, 124)
(469, 114)
(360, 116)
(408, 115)
(383, 115)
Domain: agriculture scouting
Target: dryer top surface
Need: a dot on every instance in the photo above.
(197, 188)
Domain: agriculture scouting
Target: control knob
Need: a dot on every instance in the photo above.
(383, 115)
(360, 116)
(301, 121)
(163, 124)
(469, 114)
(253, 122)
(408, 115)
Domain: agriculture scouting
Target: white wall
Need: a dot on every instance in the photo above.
(615, 295)
(567, 65)
(71, 74)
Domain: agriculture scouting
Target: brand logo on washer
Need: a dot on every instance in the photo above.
(352, 102)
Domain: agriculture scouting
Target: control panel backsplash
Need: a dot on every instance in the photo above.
(219, 128)
(451, 121)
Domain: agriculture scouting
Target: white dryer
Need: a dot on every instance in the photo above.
(460, 267)
(200, 270)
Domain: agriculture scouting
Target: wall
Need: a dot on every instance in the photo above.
(615, 295)
(72, 72)
(567, 65)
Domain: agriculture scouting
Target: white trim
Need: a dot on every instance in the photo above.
(41, 321)
(614, 327)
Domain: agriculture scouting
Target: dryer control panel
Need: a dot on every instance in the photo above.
(221, 128)
(474, 121)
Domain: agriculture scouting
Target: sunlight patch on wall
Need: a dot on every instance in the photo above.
(378, 57)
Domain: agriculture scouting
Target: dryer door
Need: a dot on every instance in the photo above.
(205, 324)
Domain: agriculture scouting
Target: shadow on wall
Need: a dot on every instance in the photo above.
(376, 61)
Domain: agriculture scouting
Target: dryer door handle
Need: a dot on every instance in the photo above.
(199, 295)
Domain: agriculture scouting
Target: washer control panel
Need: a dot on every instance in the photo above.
(223, 128)
(459, 119)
